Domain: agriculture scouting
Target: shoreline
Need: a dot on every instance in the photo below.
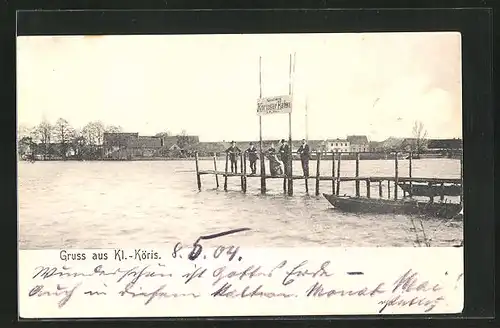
(220, 158)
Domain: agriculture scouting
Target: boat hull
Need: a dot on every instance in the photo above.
(431, 191)
(403, 207)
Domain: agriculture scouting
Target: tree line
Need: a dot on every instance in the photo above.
(61, 139)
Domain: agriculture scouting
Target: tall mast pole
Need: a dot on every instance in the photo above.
(307, 122)
(262, 164)
(290, 180)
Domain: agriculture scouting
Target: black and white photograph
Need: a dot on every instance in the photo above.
(307, 140)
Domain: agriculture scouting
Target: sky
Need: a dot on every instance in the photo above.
(374, 84)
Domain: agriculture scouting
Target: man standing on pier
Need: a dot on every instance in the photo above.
(285, 156)
(304, 157)
(252, 157)
(233, 153)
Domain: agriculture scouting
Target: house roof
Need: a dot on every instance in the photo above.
(169, 141)
(444, 143)
(145, 142)
(357, 140)
(121, 138)
(392, 142)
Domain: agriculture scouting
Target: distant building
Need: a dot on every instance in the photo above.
(444, 144)
(358, 143)
(390, 144)
(116, 144)
(145, 146)
(339, 145)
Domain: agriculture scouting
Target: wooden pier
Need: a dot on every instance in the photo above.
(335, 177)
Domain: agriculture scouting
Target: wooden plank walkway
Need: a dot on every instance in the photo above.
(330, 178)
(335, 177)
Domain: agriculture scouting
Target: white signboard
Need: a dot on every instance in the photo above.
(274, 105)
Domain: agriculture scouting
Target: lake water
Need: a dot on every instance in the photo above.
(152, 203)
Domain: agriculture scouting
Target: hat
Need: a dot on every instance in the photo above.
(251, 143)
(233, 141)
(282, 140)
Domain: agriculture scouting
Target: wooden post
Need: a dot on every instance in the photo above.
(333, 172)
(215, 169)
(380, 188)
(441, 196)
(284, 180)
(338, 174)
(262, 158)
(290, 172)
(318, 161)
(410, 174)
(357, 174)
(225, 175)
(431, 196)
(244, 172)
(198, 178)
(388, 188)
(367, 188)
(306, 179)
(396, 176)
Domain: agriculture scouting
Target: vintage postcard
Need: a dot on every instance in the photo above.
(240, 175)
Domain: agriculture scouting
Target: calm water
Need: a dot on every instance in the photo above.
(130, 204)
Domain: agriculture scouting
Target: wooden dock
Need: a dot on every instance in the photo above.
(336, 159)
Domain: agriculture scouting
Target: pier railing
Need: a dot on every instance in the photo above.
(335, 177)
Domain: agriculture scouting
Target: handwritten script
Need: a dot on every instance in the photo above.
(238, 278)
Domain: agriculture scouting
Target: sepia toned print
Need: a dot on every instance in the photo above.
(240, 175)
(110, 128)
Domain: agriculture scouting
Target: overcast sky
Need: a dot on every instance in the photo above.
(373, 84)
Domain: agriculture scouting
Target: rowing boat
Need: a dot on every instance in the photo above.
(387, 206)
(426, 190)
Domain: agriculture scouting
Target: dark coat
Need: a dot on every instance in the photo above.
(304, 152)
(233, 153)
(285, 153)
(252, 154)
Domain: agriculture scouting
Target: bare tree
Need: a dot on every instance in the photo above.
(114, 129)
(64, 134)
(183, 139)
(167, 133)
(43, 132)
(24, 131)
(93, 134)
(78, 144)
(420, 137)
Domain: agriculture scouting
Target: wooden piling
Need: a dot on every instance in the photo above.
(431, 200)
(225, 175)
(318, 161)
(262, 172)
(290, 172)
(441, 196)
(244, 172)
(388, 188)
(241, 171)
(380, 188)
(367, 188)
(338, 174)
(396, 176)
(215, 169)
(333, 173)
(357, 174)
(410, 168)
(198, 178)
(284, 182)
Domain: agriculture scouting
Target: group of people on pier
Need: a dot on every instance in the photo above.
(279, 160)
